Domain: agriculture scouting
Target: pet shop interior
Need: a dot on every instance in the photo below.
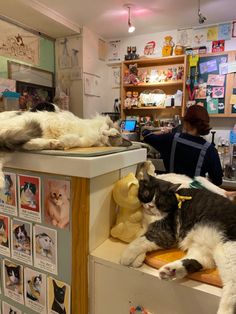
(70, 216)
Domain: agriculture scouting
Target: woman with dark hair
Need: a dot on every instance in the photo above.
(188, 152)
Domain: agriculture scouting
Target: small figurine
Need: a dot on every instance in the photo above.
(128, 100)
(128, 56)
(179, 50)
(138, 310)
(180, 72)
(167, 48)
(134, 55)
(169, 73)
(133, 74)
(135, 100)
(126, 79)
(174, 76)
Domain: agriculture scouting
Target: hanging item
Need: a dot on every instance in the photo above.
(192, 81)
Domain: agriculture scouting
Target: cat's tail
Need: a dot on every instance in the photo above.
(14, 138)
(225, 259)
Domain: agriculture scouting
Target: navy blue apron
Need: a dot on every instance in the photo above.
(202, 147)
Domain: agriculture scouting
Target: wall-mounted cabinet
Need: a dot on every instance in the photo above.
(153, 92)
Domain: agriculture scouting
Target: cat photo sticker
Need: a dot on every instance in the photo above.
(45, 249)
(21, 241)
(13, 281)
(5, 235)
(9, 309)
(8, 194)
(57, 202)
(58, 297)
(35, 290)
(29, 195)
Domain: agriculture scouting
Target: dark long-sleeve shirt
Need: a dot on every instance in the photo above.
(186, 157)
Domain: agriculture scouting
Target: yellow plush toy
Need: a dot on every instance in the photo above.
(129, 217)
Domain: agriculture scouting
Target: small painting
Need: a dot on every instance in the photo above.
(21, 244)
(13, 280)
(35, 290)
(8, 194)
(57, 202)
(29, 195)
(58, 296)
(5, 235)
(45, 249)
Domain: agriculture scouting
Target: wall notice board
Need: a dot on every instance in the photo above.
(212, 83)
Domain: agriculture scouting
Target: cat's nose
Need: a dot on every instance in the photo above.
(151, 205)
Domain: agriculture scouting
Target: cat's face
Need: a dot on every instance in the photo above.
(13, 273)
(20, 233)
(157, 195)
(57, 194)
(37, 280)
(45, 241)
(2, 227)
(59, 292)
(29, 190)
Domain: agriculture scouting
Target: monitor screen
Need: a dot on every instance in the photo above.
(128, 125)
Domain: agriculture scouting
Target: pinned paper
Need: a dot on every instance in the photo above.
(232, 100)
(231, 67)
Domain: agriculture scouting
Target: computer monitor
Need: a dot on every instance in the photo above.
(128, 125)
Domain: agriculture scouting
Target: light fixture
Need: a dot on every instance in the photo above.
(201, 17)
(131, 28)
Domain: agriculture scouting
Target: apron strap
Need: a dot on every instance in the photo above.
(202, 148)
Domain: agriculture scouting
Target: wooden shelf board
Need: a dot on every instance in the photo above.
(156, 61)
(168, 83)
(154, 108)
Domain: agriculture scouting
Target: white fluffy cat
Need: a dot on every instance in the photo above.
(55, 130)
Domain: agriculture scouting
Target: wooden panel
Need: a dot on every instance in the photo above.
(80, 240)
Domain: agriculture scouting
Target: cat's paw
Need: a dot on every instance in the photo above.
(172, 271)
(128, 258)
(138, 262)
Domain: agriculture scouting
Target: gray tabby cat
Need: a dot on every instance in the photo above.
(199, 222)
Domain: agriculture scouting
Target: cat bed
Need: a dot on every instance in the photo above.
(87, 151)
(161, 257)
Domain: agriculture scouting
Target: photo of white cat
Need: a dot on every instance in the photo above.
(45, 249)
(57, 202)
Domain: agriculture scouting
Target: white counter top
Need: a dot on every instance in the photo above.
(87, 167)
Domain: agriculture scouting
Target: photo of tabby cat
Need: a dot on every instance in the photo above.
(57, 202)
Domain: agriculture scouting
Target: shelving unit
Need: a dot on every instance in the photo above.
(169, 87)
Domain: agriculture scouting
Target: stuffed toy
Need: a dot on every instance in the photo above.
(129, 217)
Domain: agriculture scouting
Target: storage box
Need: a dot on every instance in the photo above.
(10, 100)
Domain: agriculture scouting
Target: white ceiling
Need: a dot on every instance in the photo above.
(108, 18)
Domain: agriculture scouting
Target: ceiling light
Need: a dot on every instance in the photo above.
(201, 17)
(131, 28)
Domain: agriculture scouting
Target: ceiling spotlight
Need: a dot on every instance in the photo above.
(201, 17)
(131, 28)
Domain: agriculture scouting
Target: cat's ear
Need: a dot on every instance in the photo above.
(118, 141)
(165, 186)
(64, 288)
(174, 187)
(54, 283)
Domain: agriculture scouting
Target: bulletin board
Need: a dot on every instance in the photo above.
(212, 81)
(25, 208)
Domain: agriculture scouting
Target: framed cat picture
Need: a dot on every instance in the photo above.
(29, 196)
(58, 296)
(5, 235)
(21, 241)
(35, 287)
(57, 202)
(8, 308)
(8, 197)
(45, 249)
(13, 281)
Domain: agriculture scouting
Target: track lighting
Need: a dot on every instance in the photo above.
(131, 28)
(201, 17)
